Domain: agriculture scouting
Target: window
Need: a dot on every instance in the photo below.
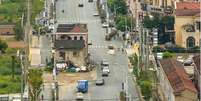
(62, 54)
(75, 38)
(190, 42)
(69, 38)
(198, 25)
(75, 54)
(189, 28)
(81, 37)
(63, 37)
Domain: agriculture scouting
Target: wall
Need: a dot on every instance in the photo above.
(165, 86)
(180, 34)
(79, 59)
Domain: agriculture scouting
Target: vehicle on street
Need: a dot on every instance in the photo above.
(110, 46)
(180, 59)
(105, 73)
(62, 11)
(79, 97)
(100, 82)
(80, 5)
(82, 86)
(104, 62)
(106, 68)
(105, 25)
(111, 52)
(188, 62)
(96, 14)
(90, 0)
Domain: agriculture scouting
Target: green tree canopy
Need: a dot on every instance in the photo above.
(118, 5)
(3, 46)
(122, 21)
(35, 81)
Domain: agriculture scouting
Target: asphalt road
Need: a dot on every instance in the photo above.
(118, 62)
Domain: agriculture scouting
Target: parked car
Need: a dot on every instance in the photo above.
(188, 62)
(180, 59)
(79, 96)
(104, 62)
(96, 14)
(80, 5)
(105, 25)
(106, 68)
(100, 82)
(105, 73)
(90, 0)
(110, 46)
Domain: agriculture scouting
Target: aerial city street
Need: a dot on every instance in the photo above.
(100, 50)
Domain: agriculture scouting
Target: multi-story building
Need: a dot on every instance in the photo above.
(71, 44)
(174, 82)
(187, 24)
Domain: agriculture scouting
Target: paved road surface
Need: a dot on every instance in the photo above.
(98, 50)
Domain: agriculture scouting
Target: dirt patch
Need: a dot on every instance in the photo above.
(16, 44)
(70, 78)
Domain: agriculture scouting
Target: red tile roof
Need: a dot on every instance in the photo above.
(188, 5)
(187, 8)
(177, 76)
(75, 28)
(196, 60)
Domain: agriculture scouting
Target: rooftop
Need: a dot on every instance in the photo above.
(75, 28)
(188, 5)
(196, 60)
(187, 8)
(69, 44)
(177, 76)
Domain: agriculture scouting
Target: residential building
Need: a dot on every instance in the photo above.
(71, 44)
(174, 81)
(197, 75)
(187, 24)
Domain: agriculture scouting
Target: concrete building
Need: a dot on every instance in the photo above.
(174, 82)
(71, 44)
(187, 24)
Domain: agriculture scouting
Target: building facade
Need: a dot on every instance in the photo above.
(187, 24)
(71, 44)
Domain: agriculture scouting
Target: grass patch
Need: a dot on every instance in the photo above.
(9, 77)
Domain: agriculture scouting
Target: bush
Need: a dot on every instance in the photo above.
(167, 55)
(3, 46)
(158, 49)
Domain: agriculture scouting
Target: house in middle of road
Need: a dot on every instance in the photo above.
(71, 44)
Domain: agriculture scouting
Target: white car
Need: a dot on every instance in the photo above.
(95, 14)
(180, 59)
(105, 25)
(106, 69)
(79, 96)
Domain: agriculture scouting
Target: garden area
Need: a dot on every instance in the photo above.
(10, 74)
(146, 79)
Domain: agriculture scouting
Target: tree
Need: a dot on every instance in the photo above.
(3, 46)
(35, 81)
(153, 22)
(118, 5)
(18, 31)
(122, 21)
(167, 54)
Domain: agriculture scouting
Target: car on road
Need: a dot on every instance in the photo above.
(106, 68)
(79, 96)
(96, 14)
(105, 25)
(100, 82)
(180, 59)
(90, 0)
(105, 73)
(80, 5)
(110, 46)
(104, 62)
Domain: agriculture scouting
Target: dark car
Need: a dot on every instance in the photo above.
(100, 82)
(90, 0)
(80, 5)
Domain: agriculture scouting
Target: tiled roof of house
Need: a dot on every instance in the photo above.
(69, 44)
(187, 12)
(196, 60)
(177, 76)
(187, 8)
(7, 29)
(188, 5)
(75, 28)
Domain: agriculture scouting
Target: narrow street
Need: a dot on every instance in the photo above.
(118, 62)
